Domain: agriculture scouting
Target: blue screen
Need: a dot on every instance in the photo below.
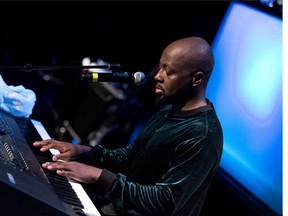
(246, 89)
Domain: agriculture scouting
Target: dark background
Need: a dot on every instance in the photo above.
(130, 33)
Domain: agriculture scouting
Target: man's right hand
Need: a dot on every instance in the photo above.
(67, 150)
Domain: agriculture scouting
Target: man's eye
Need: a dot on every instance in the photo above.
(169, 72)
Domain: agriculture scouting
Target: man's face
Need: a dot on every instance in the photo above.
(174, 79)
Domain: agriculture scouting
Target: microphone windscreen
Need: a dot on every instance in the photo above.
(139, 78)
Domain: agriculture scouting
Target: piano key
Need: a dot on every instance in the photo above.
(89, 208)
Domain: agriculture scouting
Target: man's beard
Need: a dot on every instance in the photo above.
(160, 99)
(176, 99)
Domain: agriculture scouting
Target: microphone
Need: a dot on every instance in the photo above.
(137, 78)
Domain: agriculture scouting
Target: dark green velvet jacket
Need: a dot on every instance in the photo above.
(169, 168)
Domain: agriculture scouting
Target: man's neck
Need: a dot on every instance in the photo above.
(194, 104)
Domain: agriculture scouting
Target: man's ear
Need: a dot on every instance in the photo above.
(198, 78)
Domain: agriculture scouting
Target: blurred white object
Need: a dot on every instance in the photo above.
(16, 99)
(87, 62)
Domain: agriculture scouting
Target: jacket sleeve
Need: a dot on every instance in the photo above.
(186, 178)
(114, 160)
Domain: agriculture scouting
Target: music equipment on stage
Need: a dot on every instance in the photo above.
(26, 188)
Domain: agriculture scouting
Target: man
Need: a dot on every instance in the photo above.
(169, 167)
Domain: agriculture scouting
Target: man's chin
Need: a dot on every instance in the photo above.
(160, 99)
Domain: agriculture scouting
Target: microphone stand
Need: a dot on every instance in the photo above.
(28, 67)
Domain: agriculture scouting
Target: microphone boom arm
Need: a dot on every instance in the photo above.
(28, 67)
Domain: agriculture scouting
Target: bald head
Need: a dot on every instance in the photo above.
(194, 52)
(185, 68)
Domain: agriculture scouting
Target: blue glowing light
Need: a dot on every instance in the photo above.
(246, 88)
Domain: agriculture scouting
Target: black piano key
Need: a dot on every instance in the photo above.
(64, 190)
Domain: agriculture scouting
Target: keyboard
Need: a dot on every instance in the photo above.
(25, 187)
